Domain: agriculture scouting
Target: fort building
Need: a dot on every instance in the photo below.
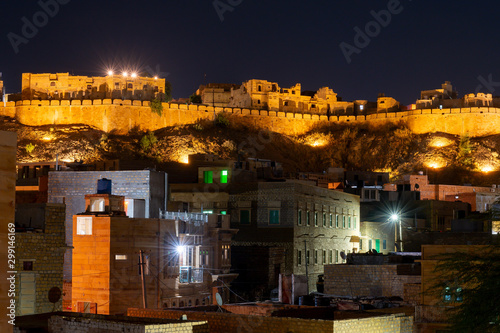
(289, 111)
(216, 94)
(65, 86)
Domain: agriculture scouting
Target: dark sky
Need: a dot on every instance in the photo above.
(424, 44)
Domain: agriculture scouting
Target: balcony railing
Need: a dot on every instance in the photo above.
(188, 274)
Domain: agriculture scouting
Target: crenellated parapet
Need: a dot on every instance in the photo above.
(122, 116)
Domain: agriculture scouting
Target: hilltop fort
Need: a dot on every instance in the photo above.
(121, 103)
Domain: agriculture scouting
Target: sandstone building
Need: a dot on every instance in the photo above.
(183, 256)
(65, 86)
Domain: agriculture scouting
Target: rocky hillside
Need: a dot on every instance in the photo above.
(391, 148)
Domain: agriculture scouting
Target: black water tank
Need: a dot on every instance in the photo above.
(104, 186)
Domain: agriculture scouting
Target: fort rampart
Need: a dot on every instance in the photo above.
(122, 116)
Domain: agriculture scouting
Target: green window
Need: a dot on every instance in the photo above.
(308, 218)
(336, 221)
(349, 219)
(244, 216)
(223, 212)
(299, 217)
(343, 221)
(315, 219)
(299, 257)
(208, 211)
(223, 177)
(354, 221)
(377, 245)
(208, 177)
(274, 216)
(324, 219)
(331, 220)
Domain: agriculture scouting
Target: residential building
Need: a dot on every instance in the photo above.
(40, 248)
(216, 94)
(181, 257)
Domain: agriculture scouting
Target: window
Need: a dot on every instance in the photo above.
(343, 221)
(349, 223)
(244, 216)
(324, 257)
(259, 88)
(361, 107)
(258, 101)
(223, 177)
(315, 219)
(223, 212)
(336, 255)
(459, 297)
(384, 244)
(274, 216)
(27, 265)
(299, 258)
(307, 257)
(208, 211)
(208, 177)
(315, 257)
(120, 257)
(52, 84)
(145, 87)
(331, 220)
(84, 225)
(130, 86)
(361, 243)
(308, 218)
(117, 85)
(286, 103)
(89, 87)
(299, 217)
(97, 205)
(447, 295)
(336, 221)
(330, 257)
(369, 244)
(324, 219)
(354, 219)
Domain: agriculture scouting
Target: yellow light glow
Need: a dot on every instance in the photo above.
(487, 168)
(439, 142)
(185, 159)
(110, 73)
(134, 75)
(156, 77)
(125, 74)
(435, 163)
(47, 138)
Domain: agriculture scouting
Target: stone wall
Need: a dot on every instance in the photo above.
(366, 280)
(229, 322)
(7, 208)
(45, 251)
(84, 325)
(123, 115)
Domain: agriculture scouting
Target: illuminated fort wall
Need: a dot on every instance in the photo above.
(123, 115)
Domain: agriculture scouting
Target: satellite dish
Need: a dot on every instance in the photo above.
(218, 298)
(417, 186)
(342, 255)
(54, 294)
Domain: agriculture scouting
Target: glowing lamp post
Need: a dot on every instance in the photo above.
(397, 220)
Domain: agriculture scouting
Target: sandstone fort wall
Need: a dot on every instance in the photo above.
(122, 116)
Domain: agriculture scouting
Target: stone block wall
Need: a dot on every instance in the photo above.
(46, 253)
(84, 325)
(366, 280)
(412, 293)
(229, 322)
(8, 143)
(122, 116)
(387, 324)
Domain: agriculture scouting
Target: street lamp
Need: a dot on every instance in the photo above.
(397, 219)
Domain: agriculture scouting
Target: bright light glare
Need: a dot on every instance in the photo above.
(134, 74)
(394, 217)
(125, 74)
(180, 249)
(110, 73)
(156, 77)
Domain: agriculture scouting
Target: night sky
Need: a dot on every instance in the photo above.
(424, 44)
